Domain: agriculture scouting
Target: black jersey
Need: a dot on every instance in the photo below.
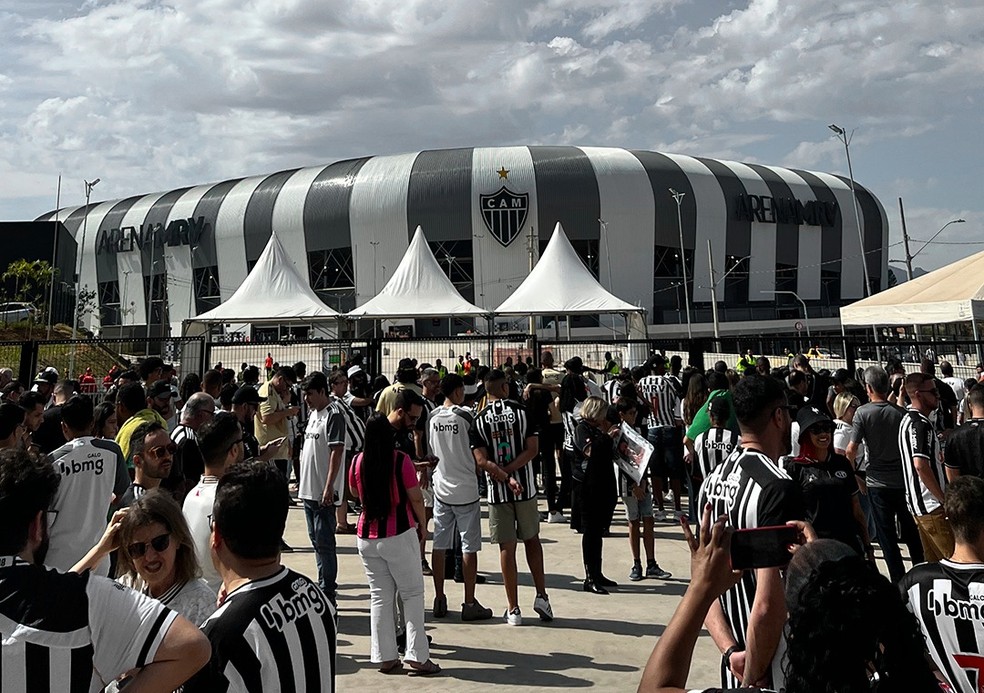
(948, 601)
(502, 429)
(275, 634)
(753, 491)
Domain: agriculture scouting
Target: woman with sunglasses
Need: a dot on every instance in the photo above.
(830, 488)
(156, 555)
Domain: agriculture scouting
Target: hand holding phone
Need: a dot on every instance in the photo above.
(763, 547)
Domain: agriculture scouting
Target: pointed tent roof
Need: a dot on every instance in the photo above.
(560, 284)
(274, 291)
(954, 293)
(418, 289)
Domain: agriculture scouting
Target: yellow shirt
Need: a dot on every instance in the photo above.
(265, 433)
(388, 396)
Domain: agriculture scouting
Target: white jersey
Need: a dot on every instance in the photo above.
(454, 479)
(77, 518)
(325, 430)
(197, 513)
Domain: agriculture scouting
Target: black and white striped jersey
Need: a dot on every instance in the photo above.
(502, 429)
(711, 448)
(917, 438)
(948, 601)
(610, 388)
(662, 395)
(72, 633)
(753, 491)
(275, 634)
(355, 427)
(569, 422)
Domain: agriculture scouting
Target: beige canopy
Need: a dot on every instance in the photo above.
(954, 293)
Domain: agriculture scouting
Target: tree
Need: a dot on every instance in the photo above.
(31, 280)
(86, 305)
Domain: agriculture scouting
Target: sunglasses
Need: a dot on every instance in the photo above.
(162, 451)
(159, 543)
(821, 428)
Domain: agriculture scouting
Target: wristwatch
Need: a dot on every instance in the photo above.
(726, 657)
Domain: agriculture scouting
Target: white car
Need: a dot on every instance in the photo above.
(15, 312)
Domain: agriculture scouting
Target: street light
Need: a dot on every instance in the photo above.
(714, 285)
(78, 276)
(678, 198)
(933, 238)
(806, 317)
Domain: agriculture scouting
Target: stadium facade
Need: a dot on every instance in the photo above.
(485, 211)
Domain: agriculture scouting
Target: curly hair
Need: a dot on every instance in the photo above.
(848, 618)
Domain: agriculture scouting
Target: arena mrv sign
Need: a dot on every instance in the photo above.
(785, 210)
(178, 232)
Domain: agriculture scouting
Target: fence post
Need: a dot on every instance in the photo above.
(28, 363)
(696, 353)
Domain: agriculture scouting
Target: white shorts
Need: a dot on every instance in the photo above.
(465, 520)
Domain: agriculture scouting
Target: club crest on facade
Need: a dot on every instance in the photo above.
(504, 213)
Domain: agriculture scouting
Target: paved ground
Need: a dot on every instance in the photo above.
(595, 641)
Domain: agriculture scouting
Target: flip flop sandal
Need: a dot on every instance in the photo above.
(395, 667)
(428, 668)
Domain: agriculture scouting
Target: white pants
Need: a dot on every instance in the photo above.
(393, 566)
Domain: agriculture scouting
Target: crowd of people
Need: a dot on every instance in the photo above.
(159, 514)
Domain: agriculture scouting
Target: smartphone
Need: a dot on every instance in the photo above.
(277, 442)
(762, 547)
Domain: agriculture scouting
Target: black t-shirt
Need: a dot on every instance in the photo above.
(828, 489)
(538, 408)
(596, 469)
(965, 448)
(49, 436)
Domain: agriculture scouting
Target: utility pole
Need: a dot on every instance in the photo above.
(714, 300)
(905, 243)
(532, 251)
(678, 198)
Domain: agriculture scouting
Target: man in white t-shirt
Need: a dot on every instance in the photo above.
(322, 481)
(221, 444)
(957, 384)
(93, 473)
(457, 507)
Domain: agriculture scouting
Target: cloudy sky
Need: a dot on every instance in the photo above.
(149, 95)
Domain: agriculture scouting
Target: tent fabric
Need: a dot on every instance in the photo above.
(560, 284)
(954, 293)
(274, 291)
(419, 288)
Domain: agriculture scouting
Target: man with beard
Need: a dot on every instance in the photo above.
(753, 491)
(71, 632)
(13, 433)
(153, 454)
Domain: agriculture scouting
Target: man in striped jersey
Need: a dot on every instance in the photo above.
(188, 465)
(71, 632)
(665, 433)
(716, 444)
(275, 629)
(355, 437)
(948, 597)
(753, 491)
(504, 445)
(923, 469)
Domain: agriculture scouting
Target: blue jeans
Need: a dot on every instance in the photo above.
(321, 530)
(886, 505)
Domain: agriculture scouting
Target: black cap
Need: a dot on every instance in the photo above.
(161, 389)
(575, 365)
(810, 416)
(407, 365)
(48, 376)
(247, 395)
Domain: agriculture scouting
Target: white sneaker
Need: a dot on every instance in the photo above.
(668, 497)
(541, 605)
(556, 518)
(659, 515)
(514, 617)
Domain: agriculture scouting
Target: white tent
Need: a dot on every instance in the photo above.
(560, 284)
(418, 289)
(954, 293)
(273, 292)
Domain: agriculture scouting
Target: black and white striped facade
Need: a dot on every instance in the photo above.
(348, 224)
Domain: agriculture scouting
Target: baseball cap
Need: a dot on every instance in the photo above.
(47, 376)
(247, 395)
(161, 389)
(575, 365)
(353, 370)
(407, 365)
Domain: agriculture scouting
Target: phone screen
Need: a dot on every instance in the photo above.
(763, 547)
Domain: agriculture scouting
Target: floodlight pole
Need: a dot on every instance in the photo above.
(78, 277)
(678, 198)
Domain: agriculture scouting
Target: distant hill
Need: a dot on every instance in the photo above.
(898, 272)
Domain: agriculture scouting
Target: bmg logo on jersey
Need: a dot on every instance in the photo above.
(94, 463)
(445, 428)
(724, 490)
(507, 416)
(941, 603)
(280, 613)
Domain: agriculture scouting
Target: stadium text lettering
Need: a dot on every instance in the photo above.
(785, 210)
(178, 232)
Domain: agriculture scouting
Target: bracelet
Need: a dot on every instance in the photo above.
(726, 657)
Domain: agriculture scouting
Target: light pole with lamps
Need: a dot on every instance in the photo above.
(806, 317)
(678, 198)
(78, 276)
(714, 285)
(910, 258)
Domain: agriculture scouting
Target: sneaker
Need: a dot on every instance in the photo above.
(636, 573)
(514, 617)
(475, 612)
(556, 518)
(440, 606)
(659, 516)
(654, 571)
(668, 497)
(425, 567)
(544, 517)
(541, 605)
